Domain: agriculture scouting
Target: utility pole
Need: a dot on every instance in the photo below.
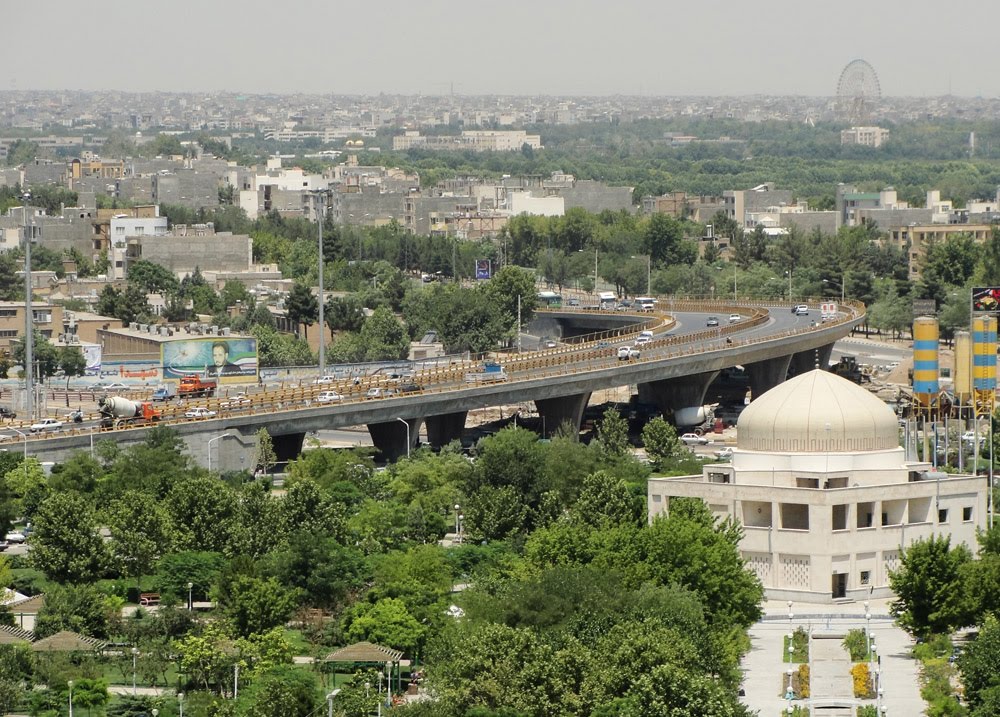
(519, 323)
(320, 194)
(29, 324)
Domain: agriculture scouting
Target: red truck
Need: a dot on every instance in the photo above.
(194, 387)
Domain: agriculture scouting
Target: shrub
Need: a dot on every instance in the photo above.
(804, 681)
(867, 711)
(862, 681)
(856, 644)
(800, 641)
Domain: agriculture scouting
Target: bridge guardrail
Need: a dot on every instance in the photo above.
(446, 379)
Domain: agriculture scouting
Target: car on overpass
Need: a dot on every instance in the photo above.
(329, 397)
(712, 321)
(199, 412)
(693, 439)
(46, 424)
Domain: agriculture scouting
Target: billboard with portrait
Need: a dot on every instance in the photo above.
(230, 360)
(483, 269)
(986, 298)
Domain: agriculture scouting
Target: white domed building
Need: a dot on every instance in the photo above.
(824, 492)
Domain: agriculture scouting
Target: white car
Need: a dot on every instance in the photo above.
(643, 340)
(14, 537)
(329, 397)
(324, 380)
(199, 412)
(240, 399)
(724, 453)
(46, 424)
(969, 437)
(735, 318)
(693, 439)
(627, 353)
(801, 310)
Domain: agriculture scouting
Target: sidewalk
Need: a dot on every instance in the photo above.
(765, 673)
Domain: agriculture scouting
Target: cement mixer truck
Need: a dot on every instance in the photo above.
(118, 412)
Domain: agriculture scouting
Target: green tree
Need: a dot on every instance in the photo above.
(44, 355)
(65, 543)
(386, 622)
(140, 532)
(25, 486)
(79, 608)
(266, 456)
(301, 306)
(979, 664)
(176, 570)
(257, 604)
(660, 441)
(384, 337)
(203, 510)
(344, 313)
(284, 690)
(152, 277)
(612, 432)
(930, 597)
(504, 289)
(72, 363)
(605, 501)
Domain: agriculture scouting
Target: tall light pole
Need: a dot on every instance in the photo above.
(209, 446)
(827, 281)
(180, 702)
(135, 654)
(190, 594)
(320, 194)
(789, 275)
(69, 684)
(403, 421)
(29, 329)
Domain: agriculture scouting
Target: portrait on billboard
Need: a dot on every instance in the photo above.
(227, 359)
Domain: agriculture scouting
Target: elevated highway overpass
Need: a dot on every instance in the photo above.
(674, 370)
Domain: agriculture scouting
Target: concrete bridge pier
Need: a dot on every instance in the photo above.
(806, 361)
(765, 375)
(554, 412)
(681, 398)
(445, 428)
(390, 437)
(230, 450)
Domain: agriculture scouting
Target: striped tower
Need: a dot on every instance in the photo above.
(963, 372)
(984, 364)
(925, 362)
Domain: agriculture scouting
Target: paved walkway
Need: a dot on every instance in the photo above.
(765, 673)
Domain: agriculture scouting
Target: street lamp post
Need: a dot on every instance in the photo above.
(789, 275)
(457, 508)
(209, 446)
(403, 421)
(69, 684)
(320, 194)
(827, 281)
(135, 654)
(180, 702)
(461, 521)
(190, 595)
(329, 702)
(29, 334)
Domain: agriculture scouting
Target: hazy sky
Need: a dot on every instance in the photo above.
(667, 47)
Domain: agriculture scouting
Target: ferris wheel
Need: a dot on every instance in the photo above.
(858, 91)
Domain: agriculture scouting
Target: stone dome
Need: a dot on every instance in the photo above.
(817, 412)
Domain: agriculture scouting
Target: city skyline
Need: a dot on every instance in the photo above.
(558, 48)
